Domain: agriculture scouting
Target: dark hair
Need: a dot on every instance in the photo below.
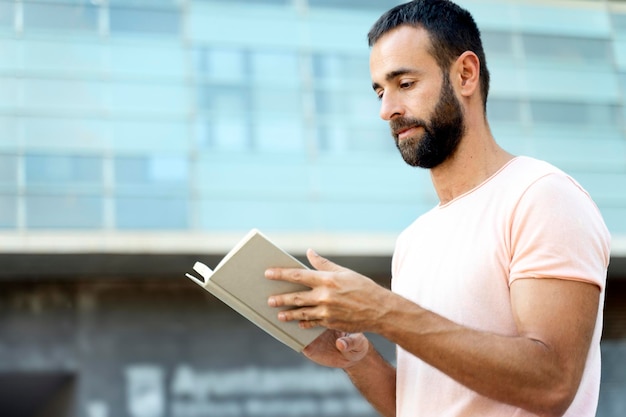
(452, 31)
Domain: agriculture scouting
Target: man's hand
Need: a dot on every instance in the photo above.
(339, 299)
(337, 349)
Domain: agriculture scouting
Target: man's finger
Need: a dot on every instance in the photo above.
(322, 264)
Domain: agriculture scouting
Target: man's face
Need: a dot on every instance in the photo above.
(440, 135)
(425, 116)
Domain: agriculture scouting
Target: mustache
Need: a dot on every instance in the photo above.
(403, 123)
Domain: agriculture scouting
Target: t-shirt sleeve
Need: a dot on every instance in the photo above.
(557, 231)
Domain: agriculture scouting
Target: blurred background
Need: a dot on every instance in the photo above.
(138, 136)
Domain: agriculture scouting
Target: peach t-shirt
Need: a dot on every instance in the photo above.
(529, 220)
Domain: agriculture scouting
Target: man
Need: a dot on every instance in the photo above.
(497, 293)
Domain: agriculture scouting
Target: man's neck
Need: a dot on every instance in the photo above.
(477, 158)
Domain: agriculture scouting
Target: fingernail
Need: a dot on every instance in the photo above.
(269, 274)
(271, 302)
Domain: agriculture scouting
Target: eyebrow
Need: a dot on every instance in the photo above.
(395, 74)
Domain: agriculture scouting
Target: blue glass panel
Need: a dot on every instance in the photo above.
(504, 110)
(576, 113)
(164, 22)
(276, 101)
(275, 66)
(69, 211)
(223, 64)
(64, 133)
(567, 50)
(151, 213)
(150, 60)
(83, 17)
(146, 170)
(8, 211)
(8, 93)
(8, 170)
(143, 97)
(380, 5)
(497, 44)
(63, 169)
(8, 133)
(6, 14)
(279, 135)
(61, 57)
(150, 135)
(54, 95)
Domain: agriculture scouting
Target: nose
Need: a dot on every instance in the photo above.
(390, 106)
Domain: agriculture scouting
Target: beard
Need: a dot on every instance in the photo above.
(441, 136)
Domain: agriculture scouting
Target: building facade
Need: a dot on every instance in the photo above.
(138, 136)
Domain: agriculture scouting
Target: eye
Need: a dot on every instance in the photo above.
(406, 84)
(379, 94)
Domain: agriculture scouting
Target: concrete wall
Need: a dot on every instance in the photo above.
(164, 348)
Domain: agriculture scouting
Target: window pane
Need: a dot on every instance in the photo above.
(278, 66)
(151, 170)
(352, 4)
(67, 170)
(166, 22)
(504, 110)
(605, 115)
(6, 15)
(227, 65)
(151, 213)
(8, 211)
(64, 211)
(567, 49)
(8, 170)
(82, 17)
(497, 43)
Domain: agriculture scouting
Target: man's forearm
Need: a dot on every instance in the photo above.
(375, 378)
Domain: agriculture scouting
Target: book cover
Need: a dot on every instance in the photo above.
(239, 281)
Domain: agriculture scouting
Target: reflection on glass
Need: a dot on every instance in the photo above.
(80, 17)
(67, 211)
(165, 22)
(63, 169)
(567, 49)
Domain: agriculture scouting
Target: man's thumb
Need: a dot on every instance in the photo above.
(322, 264)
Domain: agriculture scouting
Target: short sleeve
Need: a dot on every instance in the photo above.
(557, 231)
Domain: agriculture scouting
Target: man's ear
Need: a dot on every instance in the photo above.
(467, 73)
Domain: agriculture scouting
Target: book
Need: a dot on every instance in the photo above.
(239, 281)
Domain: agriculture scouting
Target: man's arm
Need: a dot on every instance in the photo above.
(370, 373)
(539, 369)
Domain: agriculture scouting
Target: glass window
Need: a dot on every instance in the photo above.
(155, 60)
(277, 101)
(230, 65)
(504, 110)
(8, 132)
(590, 114)
(619, 22)
(225, 101)
(567, 50)
(6, 14)
(8, 211)
(63, 94)
(63, 169)
(69, 211)
(224, 134)
(138, 170)
(125, 20)
(8, 170)
(352, 4)
(498, 44)
(279, 66)
(153, 97)
(8, 92)
(41, 55)
(279, 135)
(80, 17)
(151, 213)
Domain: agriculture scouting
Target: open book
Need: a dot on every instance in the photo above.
(239, 281)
